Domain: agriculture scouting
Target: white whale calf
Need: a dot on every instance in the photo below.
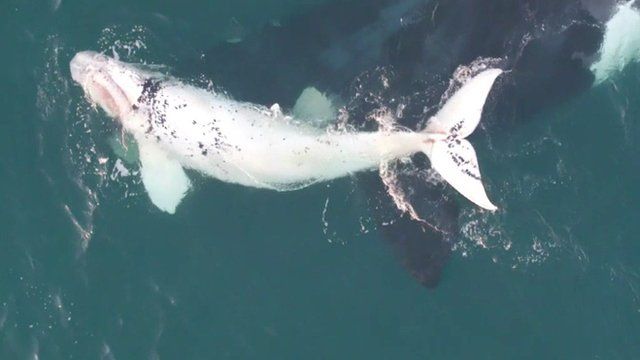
(180, 126)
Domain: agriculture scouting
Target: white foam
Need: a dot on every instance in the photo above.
(621, 44)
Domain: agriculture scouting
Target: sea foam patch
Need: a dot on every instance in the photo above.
(621, 44)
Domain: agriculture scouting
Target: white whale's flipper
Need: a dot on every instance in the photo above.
(314, 106)
(163, 177)
(451, 155)
(125, 147)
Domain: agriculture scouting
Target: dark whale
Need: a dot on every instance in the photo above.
(400, 54)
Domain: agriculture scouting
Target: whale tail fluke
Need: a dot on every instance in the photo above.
(451, 155)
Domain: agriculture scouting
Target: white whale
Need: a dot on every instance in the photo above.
(180, 126)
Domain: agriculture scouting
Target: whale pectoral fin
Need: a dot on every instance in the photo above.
(312, 105)
(125, 147)
(163, 177)
(455, 160)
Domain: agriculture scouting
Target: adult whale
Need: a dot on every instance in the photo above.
(400, 54)
(180, 126)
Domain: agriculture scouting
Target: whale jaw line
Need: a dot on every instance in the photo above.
(106, 82)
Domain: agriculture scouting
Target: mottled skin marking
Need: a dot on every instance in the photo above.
(157, 105)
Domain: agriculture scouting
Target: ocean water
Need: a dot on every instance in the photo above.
(89, 269)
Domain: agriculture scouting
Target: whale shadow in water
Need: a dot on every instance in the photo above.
(378, 54)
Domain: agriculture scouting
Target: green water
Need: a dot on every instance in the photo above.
(90, 270)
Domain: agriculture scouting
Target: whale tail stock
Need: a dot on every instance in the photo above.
(451, 155)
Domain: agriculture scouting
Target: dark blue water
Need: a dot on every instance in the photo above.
(91, 270)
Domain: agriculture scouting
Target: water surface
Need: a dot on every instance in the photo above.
(91, 270)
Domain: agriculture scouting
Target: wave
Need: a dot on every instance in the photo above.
(621, 45)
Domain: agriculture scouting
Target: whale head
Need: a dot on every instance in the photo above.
(111, 84)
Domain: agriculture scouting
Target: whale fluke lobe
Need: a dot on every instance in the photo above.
(461, 114)
(451, 155)
(457, 163)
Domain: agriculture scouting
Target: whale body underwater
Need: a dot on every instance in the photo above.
(178, 126)
(400, 54)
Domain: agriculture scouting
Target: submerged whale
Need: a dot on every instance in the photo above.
(179, 126)
(399, 55)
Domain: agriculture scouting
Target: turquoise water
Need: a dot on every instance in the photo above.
(91, 270)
